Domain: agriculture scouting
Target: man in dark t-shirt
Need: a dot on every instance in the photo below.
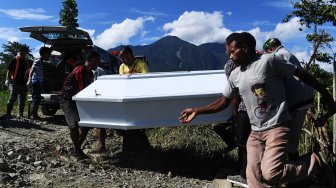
(16, 81)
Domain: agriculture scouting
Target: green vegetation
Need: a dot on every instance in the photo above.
(10, 50)
(315, 14)
(4, 98)
(4, 95)
(68, 14)
(201, 139)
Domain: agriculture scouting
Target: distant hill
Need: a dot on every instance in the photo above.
(170, 53)
(218, 50)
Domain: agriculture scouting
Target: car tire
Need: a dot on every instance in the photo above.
(49, 110)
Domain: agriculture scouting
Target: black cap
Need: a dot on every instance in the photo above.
(24, 49)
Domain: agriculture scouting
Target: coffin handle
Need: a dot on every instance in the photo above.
(97, 94)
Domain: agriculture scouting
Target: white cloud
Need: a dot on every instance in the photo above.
(120, 33)
(229, 13)
(35, 51)
(202, 27)
(326, 67)
(302, 56)
(283, 31)
(198, 27)
(287, 30)
(305, 56)
(26, 14)
(259, 23)
(10, 34)
(259, 35)
(90, 31)
(151, 12)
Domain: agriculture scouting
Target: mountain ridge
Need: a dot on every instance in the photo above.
(171, 53)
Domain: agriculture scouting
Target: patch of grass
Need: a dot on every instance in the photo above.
(201, 139)
(4, 95)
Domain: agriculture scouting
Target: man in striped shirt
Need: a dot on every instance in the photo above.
(36, 79)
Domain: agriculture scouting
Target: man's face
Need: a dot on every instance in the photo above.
(46, 56)
(94, 62)
(239, 54)
(126, 58)
(236, 54)
(227, 49)
(270, 50)
(23, 54)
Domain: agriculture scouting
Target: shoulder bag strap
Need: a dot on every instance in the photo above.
(16, 67)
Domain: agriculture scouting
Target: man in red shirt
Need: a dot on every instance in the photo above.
(77, 80)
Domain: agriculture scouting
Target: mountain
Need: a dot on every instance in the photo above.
(170, 53)
(217, 49)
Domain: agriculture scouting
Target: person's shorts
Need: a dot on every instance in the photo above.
(70, 113)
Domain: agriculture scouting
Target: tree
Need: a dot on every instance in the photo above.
(68, 15)
(314, 14)
(10, 50)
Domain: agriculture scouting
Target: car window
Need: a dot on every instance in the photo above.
(65, 36)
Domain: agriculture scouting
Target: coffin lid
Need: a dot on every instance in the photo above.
(152, 86)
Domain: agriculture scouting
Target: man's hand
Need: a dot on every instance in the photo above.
(188, 115)
(29, 83)
(6, 84)
(320, 121)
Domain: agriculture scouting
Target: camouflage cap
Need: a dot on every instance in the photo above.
(271, 42)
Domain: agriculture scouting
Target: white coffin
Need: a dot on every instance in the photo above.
(150, 100)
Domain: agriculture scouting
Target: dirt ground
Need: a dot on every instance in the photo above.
(38, 154)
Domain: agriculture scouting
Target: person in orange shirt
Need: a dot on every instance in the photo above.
(132, 139)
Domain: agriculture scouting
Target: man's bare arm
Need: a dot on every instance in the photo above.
(311, 81)
(189, 114)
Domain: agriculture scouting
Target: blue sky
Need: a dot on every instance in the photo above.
(138, 22)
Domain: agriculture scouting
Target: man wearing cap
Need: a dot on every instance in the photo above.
(298, 104)
(36, 79)
(16, 82)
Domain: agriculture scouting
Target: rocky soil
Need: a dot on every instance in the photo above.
(38, 154)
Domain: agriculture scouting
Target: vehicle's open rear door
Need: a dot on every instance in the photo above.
(59, 35)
